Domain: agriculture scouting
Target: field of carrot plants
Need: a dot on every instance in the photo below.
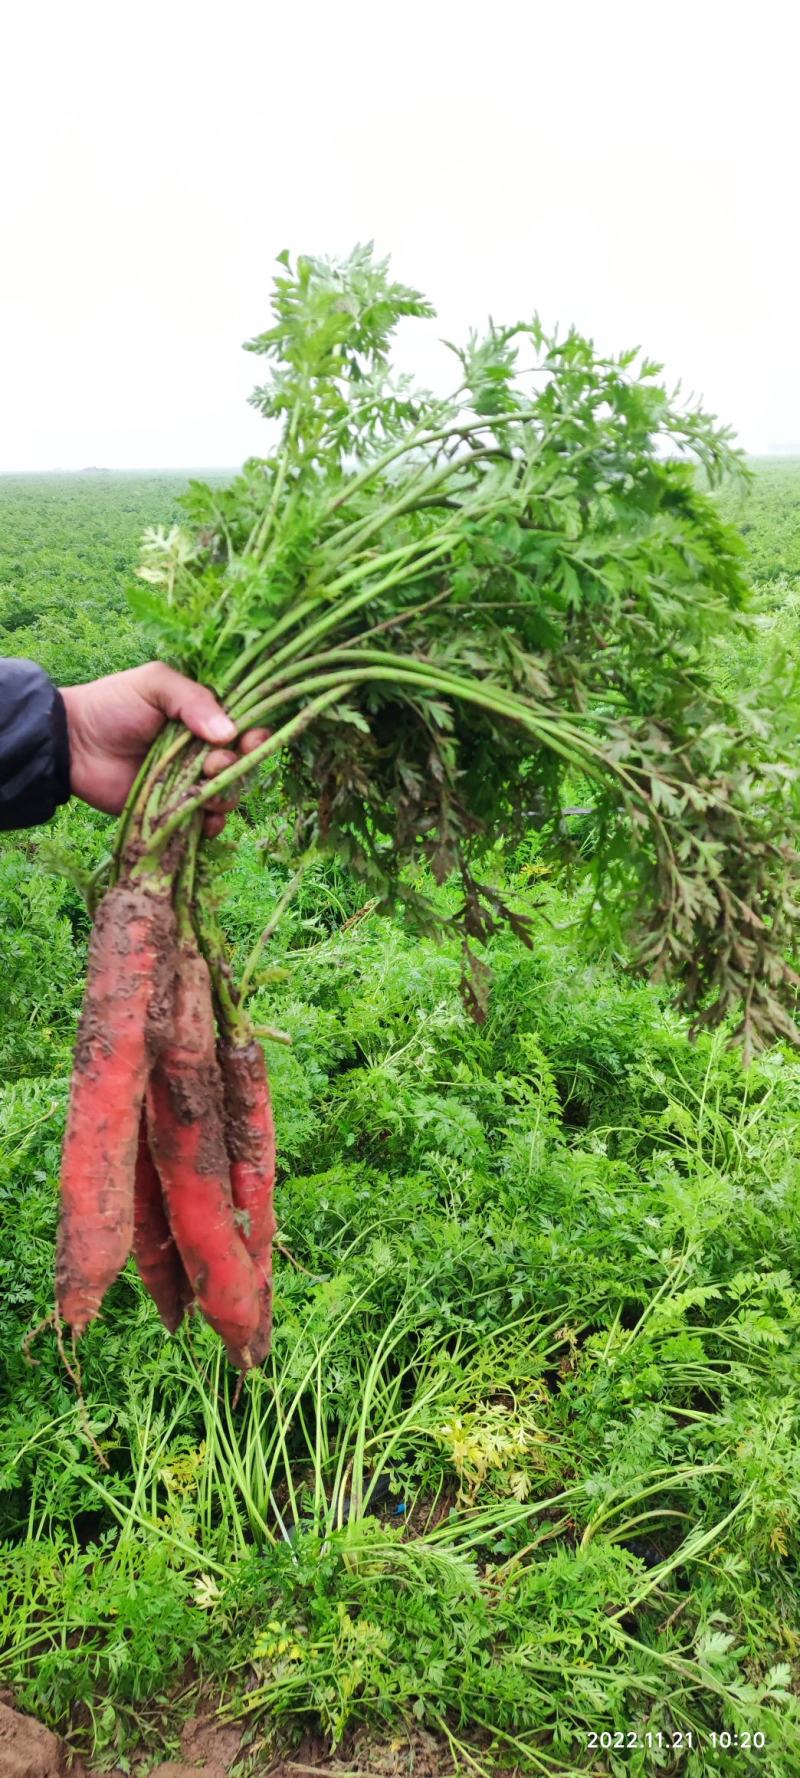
(519, 1483)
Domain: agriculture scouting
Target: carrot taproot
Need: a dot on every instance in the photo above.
(158, 1261)
(250, 1142)
(123, 1024)
(184, 1112)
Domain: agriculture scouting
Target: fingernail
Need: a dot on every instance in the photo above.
(221, 728)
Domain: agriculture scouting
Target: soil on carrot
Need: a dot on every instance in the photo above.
(118, 915)
(122, 1026)
(185, 1129)
(245, 1080)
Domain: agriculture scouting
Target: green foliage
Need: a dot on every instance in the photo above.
(768, 518)
(767, 513)
(449, 609)
(68, 549)
(329, 348)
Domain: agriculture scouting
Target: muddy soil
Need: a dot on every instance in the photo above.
(27, 1748)
(213, 1749)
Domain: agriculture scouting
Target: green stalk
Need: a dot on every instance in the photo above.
(260, 647)
(185, 884)
(232, 774)
(432, 682)
(544, 729)
(272, 924)
(426, 550)
(674, 1478)
(263, 650)
(352, 536)
(232, 1019)
(688, 1552)
(417, 441)
(367, 563)
(258, 537)
(422, 669)
(170, 741)
(575, 749)
(336, 616)
(259, 650)
(547, 730)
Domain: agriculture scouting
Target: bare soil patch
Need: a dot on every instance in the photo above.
(27, 1748)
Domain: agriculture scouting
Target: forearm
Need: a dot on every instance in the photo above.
(34, 746)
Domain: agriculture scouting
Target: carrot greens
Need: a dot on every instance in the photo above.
(448, 610)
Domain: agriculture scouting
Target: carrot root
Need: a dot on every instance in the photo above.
(157, 1258)
(184, 1110)
(250, 1142)
(123, 1025)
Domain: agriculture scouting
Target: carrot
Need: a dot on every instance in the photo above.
(184, 1111)
(122, 1027)
(250, 1142)
(157, 1258)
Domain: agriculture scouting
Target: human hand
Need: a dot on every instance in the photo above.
(113, 722)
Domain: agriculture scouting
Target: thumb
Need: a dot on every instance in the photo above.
(188, 702)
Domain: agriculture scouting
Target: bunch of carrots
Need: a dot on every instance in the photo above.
(451, 613)
(170, 1142)
(169, 1149)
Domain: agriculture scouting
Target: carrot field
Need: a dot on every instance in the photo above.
(518, 1486)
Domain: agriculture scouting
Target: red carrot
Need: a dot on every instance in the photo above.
(250, 1142)
(184, 1109)
(122, 1027)
(158, 1261)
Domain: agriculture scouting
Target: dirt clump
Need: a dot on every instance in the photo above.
(208, 1749)
(207, 1741)
(27, 1748)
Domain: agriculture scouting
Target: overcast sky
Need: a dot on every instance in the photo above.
(630, 167)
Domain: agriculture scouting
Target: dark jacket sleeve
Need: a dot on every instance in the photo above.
(34, 748)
